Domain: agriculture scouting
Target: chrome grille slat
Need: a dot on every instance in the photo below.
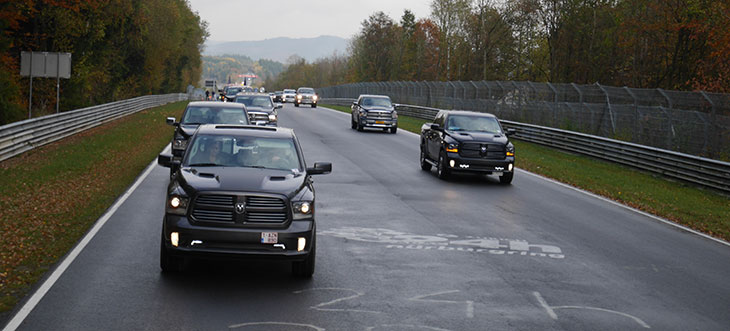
(220, 208)
(473, 149)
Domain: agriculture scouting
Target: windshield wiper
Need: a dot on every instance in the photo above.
(205, 165)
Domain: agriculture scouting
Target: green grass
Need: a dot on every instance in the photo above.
(50, 196)
(701, 209)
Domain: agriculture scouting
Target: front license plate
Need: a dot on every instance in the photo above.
(379, 122)
(498, 173)
(269, 237)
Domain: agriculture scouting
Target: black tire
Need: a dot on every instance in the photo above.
(296, 104)
(305, 269)
(424, 165)
(394, 129)
(169, 263)
(359, 127)
(506, 178)
(353, 125)
(442, 170)
(314, 105)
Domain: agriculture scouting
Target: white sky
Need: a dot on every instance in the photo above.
(244, 20)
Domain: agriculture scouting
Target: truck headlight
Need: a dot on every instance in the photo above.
(395, 115)
(179, 144)
(510, 150)
(177, 205)
(302, 210)
(272, 118)
(314, 98)
(299, 96)
(452, 148)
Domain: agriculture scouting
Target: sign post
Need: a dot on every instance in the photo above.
(45, 64)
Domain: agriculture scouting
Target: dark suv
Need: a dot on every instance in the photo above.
(261, 111)
(465, 141)
(204, 112)
(374, 111)
(241, 192)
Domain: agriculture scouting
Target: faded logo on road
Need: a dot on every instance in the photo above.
(446, 242)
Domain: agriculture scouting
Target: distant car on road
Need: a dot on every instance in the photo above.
(279, 96)
(260, 109)
(373, 111)
(229, 93)
(289, 95)
(306, 95)
(241, 192)
(204, 112)
(466, 141)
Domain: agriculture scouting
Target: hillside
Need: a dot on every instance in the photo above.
(280, 49)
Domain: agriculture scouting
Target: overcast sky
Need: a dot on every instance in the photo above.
(238, 20)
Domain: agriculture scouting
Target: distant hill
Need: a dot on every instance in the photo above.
(280, 49)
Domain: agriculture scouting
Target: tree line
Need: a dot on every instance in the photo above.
(119, 48)
(670, 44)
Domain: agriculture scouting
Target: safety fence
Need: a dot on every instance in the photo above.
(691, 168)
(696, 123)
(20, 137)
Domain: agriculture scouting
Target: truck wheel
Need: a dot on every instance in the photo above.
(394, 129)
(305, 269)
(169, 263)
(314, 105)
(442, 171)
(424, 165)
(296, 104)
(353, 125)
(506, 178)
(359, 127)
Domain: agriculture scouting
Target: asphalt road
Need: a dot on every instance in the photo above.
(399, 249)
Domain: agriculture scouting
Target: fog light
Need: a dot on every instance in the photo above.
(301, 243)
(452, 163)
(175, 202)
(510, 167)
(174, 238)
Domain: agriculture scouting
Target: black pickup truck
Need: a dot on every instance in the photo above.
(465, 141)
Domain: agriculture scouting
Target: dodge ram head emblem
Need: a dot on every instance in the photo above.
(240, 208)
(484, 149)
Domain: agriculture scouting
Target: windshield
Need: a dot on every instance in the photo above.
(306, 90)
(243, 152)
(473, 123)
(214, 115)
(255, 101)
(377, 102)
(289, 91)
(233, 90)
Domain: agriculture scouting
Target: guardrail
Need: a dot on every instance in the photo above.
(691, 168)
(20, 137)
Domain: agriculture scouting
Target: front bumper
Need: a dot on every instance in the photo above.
(378, 122)
(306, 101)
(236, 242)
(479, 165)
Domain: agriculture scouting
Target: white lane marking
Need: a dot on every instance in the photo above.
(331, 302)
(544, 304)
(657, 218)
(313, 327)
(469, 303)
(410, 326)
(551, 310)
(51, 280)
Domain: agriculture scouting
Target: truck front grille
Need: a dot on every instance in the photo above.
(222, 209)
(474, 150)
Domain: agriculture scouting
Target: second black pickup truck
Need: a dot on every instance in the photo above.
(465, 141)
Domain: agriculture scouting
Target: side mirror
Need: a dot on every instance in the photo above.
(320, 168)
(354, 103)
(436, 127)
(170, 121)
(166, 160)
(510, 132)
(278, 106)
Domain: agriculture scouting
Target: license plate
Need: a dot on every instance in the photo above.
(269, 237)
(498, 173)
(379, 122)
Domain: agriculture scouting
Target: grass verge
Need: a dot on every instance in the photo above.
(50, 196)
(700, 209)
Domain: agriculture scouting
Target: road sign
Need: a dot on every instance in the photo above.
(45, 64)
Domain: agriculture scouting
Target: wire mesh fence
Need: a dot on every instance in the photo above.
(695, 123)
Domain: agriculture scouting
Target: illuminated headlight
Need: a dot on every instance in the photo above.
(510, 150)
(510, 167)
(175, 238)
(179, 144)
(272, 118)
(177, 205)
(452, 148)
(299, 96)
(314, 98)
(302, 210)
(452, 163)
(301, 243)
